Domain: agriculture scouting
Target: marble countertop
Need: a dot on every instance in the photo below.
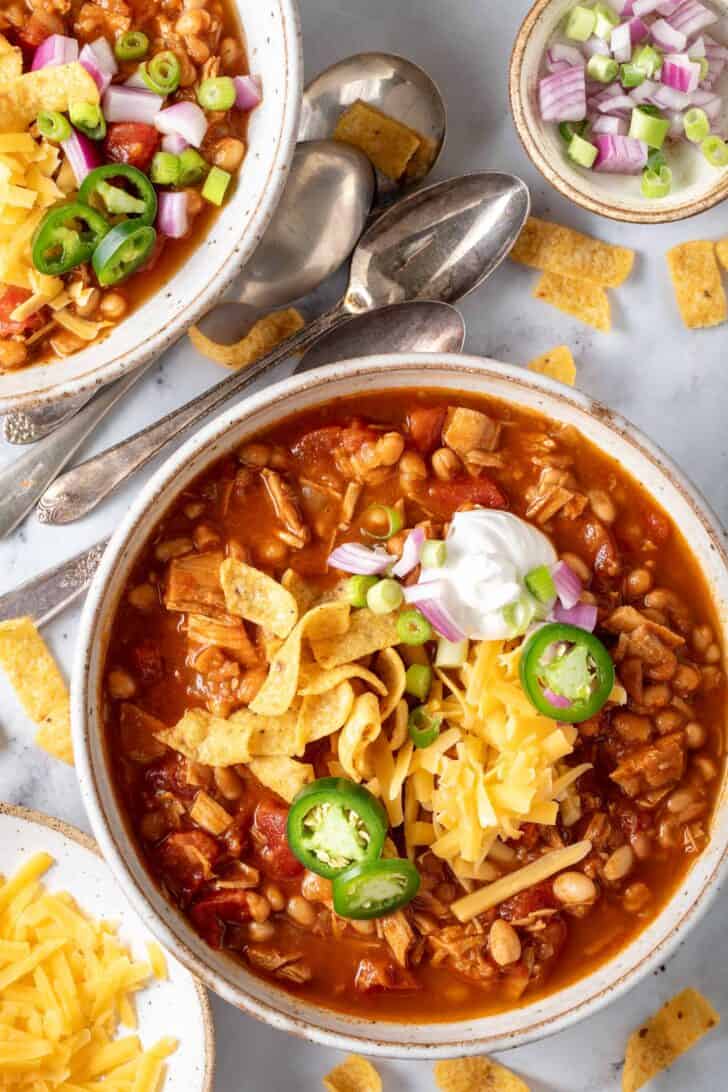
(669, 381)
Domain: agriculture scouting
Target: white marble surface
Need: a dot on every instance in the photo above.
(668, 381)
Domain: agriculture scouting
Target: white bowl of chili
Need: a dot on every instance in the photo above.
(193, 271)
(656, 499)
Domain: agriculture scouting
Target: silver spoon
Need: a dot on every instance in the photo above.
(439, 243)
(421, 326)
(323, 174)
(388, 82)
(29, 426)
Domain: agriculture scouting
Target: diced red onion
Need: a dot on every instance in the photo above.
(429, 589)
(411, 551)
(186, 119)
(56, 49)
(620, 154)
(692, 17)
(567, 583)
(697, 48)
(561, 51)
(595, 47)
(558, 66)
(621, 43)
(666, 37)
(100, 63)
(670, 99)
(441, 620)
(616, 104)
(127, 104)
(677, 125)
(645, 7)
(557, 700)
(583, 615)
(638, 30)
(247, 92)
(668, 7)
(614, 125)
(623, 7)
(172, 217)
(136, 80)
(706, 100)
(714, 51)
(562, 96)
(174, 143)
(680, 73)
(352, 557)
(82, 155)
(644, 92)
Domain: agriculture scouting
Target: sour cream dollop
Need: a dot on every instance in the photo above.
(489, 555)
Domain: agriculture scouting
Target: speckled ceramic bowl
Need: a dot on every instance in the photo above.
(456, 373)
(697, 185)
(272, 34)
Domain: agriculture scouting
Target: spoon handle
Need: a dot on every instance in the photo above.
(80, 489)
(29, 426)
(25, 479)
(46, 595)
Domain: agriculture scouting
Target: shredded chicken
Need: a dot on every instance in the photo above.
(653, 766)
(374, 975)
(398, 934)
(467, 431)
(285, 506)
(193, 585)
(289, 965)
(555, 492)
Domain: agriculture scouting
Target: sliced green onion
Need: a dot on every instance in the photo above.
(357, 588)
(380, 521)
(568, 129)
(165, 169)
(656, 159)
(715, 151)
(88, 119)
(519, 615)
(630, 75)
(696, 124)
(657, 183)
(704, 66)
(192, 168)
(216, 185)
(580, 23)
(385, 596)
(602, 69)
(413, 628)
(162, 73)
(131, 46)
(582, 151)
(423, 728)
(647, 59)
(650, 129)
(605, 20)
(434, 554)
(540, 583)
(451, 653)
(418, 680)
(53, 126)
(217, 93)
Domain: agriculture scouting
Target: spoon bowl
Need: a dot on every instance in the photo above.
(420, 326)
(391, 84)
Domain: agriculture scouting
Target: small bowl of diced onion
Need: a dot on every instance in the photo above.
(623, 105)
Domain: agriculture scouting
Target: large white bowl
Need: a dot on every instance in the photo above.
(221, 973)
(272, 33)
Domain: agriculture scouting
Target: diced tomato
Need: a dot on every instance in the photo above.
(10, 299)
(425, 427)
(378, 975)
(538, 897)
(34, 32)
(322, 441)
(131, 142)
(269, 831)
(187, 859)
(211, 913)
(148, 661)
(443, 498)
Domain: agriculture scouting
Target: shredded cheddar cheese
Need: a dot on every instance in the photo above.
(27, 188)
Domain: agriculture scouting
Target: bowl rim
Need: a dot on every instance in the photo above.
(634, 215)
(210, 285)
(363, 1033)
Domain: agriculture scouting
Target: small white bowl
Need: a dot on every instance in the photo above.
(227, 977)
(272, 34)
(697, 185)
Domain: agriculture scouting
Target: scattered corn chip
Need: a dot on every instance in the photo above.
(675, 1028)
(553, 248)
(262, 338)
(35, 678)
(258, 598)
(282, 775)
(583, 300)
(367, 633)
(698, 285)
(476, 1075)
(721, 249)
(355, 1074)
(11, 61)
(557, 364)
(390, 145)
(54, 87)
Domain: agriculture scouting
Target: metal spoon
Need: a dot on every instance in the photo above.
(29, 426)
(439, 243)
(421, 326)
(393, 85)
(323, 174)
